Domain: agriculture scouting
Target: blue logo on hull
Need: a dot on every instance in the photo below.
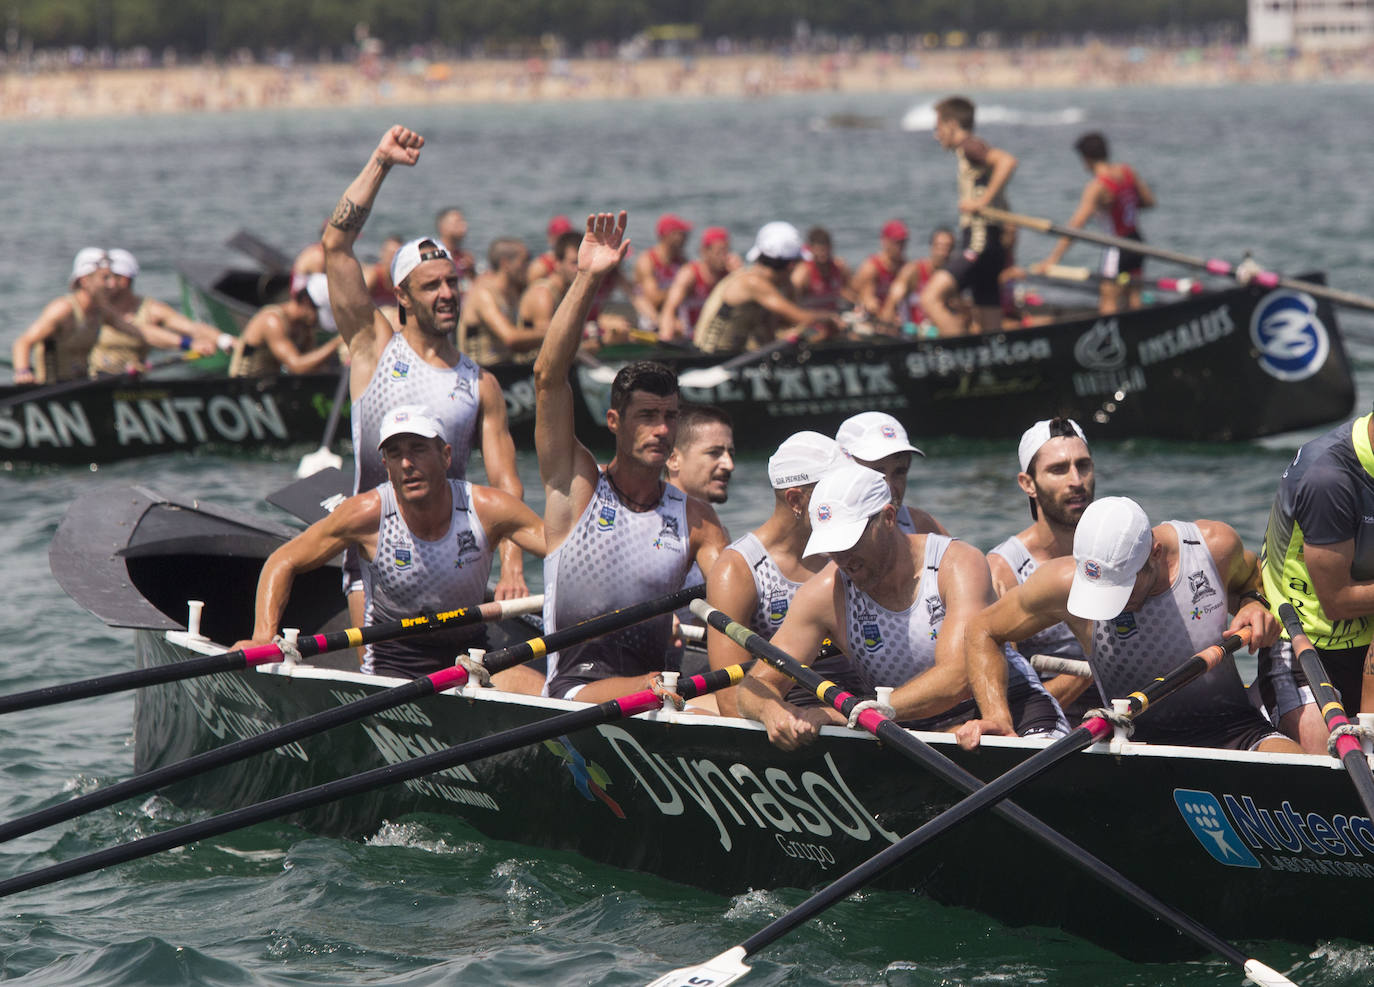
(1291, 339)
(1204, 816)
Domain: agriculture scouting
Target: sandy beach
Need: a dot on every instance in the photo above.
(383, 82)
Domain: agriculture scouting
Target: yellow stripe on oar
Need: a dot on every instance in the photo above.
(355, 636)
(1326, 710)
(1142, 699)
(820, 689)
(536, 646)
(736, 673)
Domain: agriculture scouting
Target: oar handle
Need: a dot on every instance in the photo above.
(1192, 668)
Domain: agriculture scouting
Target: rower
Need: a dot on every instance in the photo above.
(873, 280)
(822, 279)
(656, 268)
(487, 327)
(877, 440)
(693, 284)
(897, 604)
(703, 457)
(426, 545)
(1140, 600)
(419, 363)
(68, 326)
(541, 298)
(543, 265)
(155, 323)
(1057, 478)
(282, 337)
(616, 536)
(902, 307)
(451, 227)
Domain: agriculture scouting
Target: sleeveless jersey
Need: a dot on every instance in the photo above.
(664, 270)
(690, 309)
(409, 576)
(1134, 648)
(824, 285)
(1058, 640)
(115, 350)
(1121, 216)
(910, 308)
(886, 274)
(64, 354)
(973, 182)
(402, 377)
(615, 557)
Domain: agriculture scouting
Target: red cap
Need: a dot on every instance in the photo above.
(895, 229)
(672, 223)
(560, 225)
(714, 234)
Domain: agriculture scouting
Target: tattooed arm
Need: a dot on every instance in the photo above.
(360, 324)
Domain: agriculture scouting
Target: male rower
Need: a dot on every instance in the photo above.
(873, 280)
(68, 326)
(451, 227)
(1117, 194)
(655, 269)
(282, 337)
(541, 298)
(902, 307)
(877, 440)
(425, 542)
(1140, 600)
(898, 606)
(822, 279)
(703, 457)
(488, 327)
(694, 283)
(419, 364)
(543, 265)
(1057, 478)
(617, 536)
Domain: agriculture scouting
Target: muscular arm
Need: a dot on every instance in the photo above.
(730, 588)
(491, 315)
(708, 536)
(1064, 688)
(864, 285)
(646, 284)
(1239, 568)
(159, 313)
(508, 518)
(1087, 205)
(54, 315)
(498, 458)
(793, 314)
(282, 347)
(901, 287)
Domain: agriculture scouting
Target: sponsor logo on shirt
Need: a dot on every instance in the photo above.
(1124, 626)
(467, 548)
(777, 609)
(402, 558)
(873, 636)
(668, 536)
(1200, 585)
(400, 370)
(462, 385)
(605, 519)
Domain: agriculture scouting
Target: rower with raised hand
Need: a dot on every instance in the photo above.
(877, 440)
(425, 542)
(620, 535)
(68, 327)
(1138, 599)
(1058, 479)
(898, 605)
(281, 338)
(419, 364)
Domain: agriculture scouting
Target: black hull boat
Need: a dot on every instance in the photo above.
(1254, 846)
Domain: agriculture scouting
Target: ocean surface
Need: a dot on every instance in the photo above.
(1278, 171)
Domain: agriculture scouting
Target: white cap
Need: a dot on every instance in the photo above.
(88, 260)
(843, 501)
(801, 459)
(871, 435)
(410, 419)
(409, 256)
(1036, 436)
(317, 287)
(777, 240)
(123, 263)
(1110, 547)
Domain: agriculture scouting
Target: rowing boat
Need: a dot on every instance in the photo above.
(1256, 846)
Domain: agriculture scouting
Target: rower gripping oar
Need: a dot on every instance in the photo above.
(729, 966)
(235, 661)
(452, 677)
(1342, 744)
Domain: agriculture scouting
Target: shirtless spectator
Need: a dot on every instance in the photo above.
(822, 280)
(688, 293)
(487, 328)
(282, 337)
(873, 280)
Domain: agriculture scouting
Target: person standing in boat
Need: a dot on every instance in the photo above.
(822, 279)
(1116, 194)
(656, 268)
(1140, 600)
(155, 324)
(898, 605)
(693, 285)
(1057, 478)
(616, 536)
(749, 306)
(873, 280)
(282, 337)
(425, 541)
(983, 174)
(877, 440)
(68, 326)
(419, 364)
(488, 330)
(541, 298)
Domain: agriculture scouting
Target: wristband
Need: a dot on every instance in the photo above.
(185, 343)
(1257, 596)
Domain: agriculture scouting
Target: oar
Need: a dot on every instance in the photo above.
(633, 704)
(452, 677)
(323, 457)
(1342, 744)
(235, 661)
(708, 377)
(45, 391)
(729, 966)
(1055, 665)
(260, 250)
(1082, 275)
(1213, 265)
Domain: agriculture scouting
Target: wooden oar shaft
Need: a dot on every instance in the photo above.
(532, 733)
(920, 752)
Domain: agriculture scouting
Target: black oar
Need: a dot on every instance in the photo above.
(323, 457)
(44, 391)
(447, 678)
(237, 661)
(729, 966)
(532, 733)
(1342, 745)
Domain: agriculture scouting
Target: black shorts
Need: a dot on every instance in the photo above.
(838, 669)
(1116, 262)
(1230, 729)
(1034, 713)
(1283, 687)
(979, 271)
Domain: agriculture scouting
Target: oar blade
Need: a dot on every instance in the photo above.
(726, 968)
(704, 377)
(314, 462)
(1266, 976)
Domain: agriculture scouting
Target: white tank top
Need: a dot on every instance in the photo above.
(409, 576)
(1058, 640)
(904, 522)
(775, 591)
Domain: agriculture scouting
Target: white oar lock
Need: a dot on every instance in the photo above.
(1366, 720)
(670, 681)
(195, 608)
(478, 676)
(292, 654)
(1122, 709)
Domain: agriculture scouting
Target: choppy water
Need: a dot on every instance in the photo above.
(1274, 170)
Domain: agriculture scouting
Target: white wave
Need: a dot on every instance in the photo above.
(922, 116)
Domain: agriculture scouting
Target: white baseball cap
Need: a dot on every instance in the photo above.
(802, 458)
(777, 240)
(88, 260)
(841, 505)
(1036, 436)
(411, 419)
(317, 287)
(123, 263)
(410, 256)
(872, 435)
(1110, 547)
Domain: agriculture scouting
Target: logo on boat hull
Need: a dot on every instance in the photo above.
(1204, 816)
(1292, 340)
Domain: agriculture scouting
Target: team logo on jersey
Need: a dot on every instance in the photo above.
(935, 610)
(402, 558)
(873, 637)
(1200, 585)
(400, 370)
(668, 535)
(461, 385)
(1124, 625)
(1207, 820)
(467, 547)
(605, 520)
(777, 609)
(1292, 341)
